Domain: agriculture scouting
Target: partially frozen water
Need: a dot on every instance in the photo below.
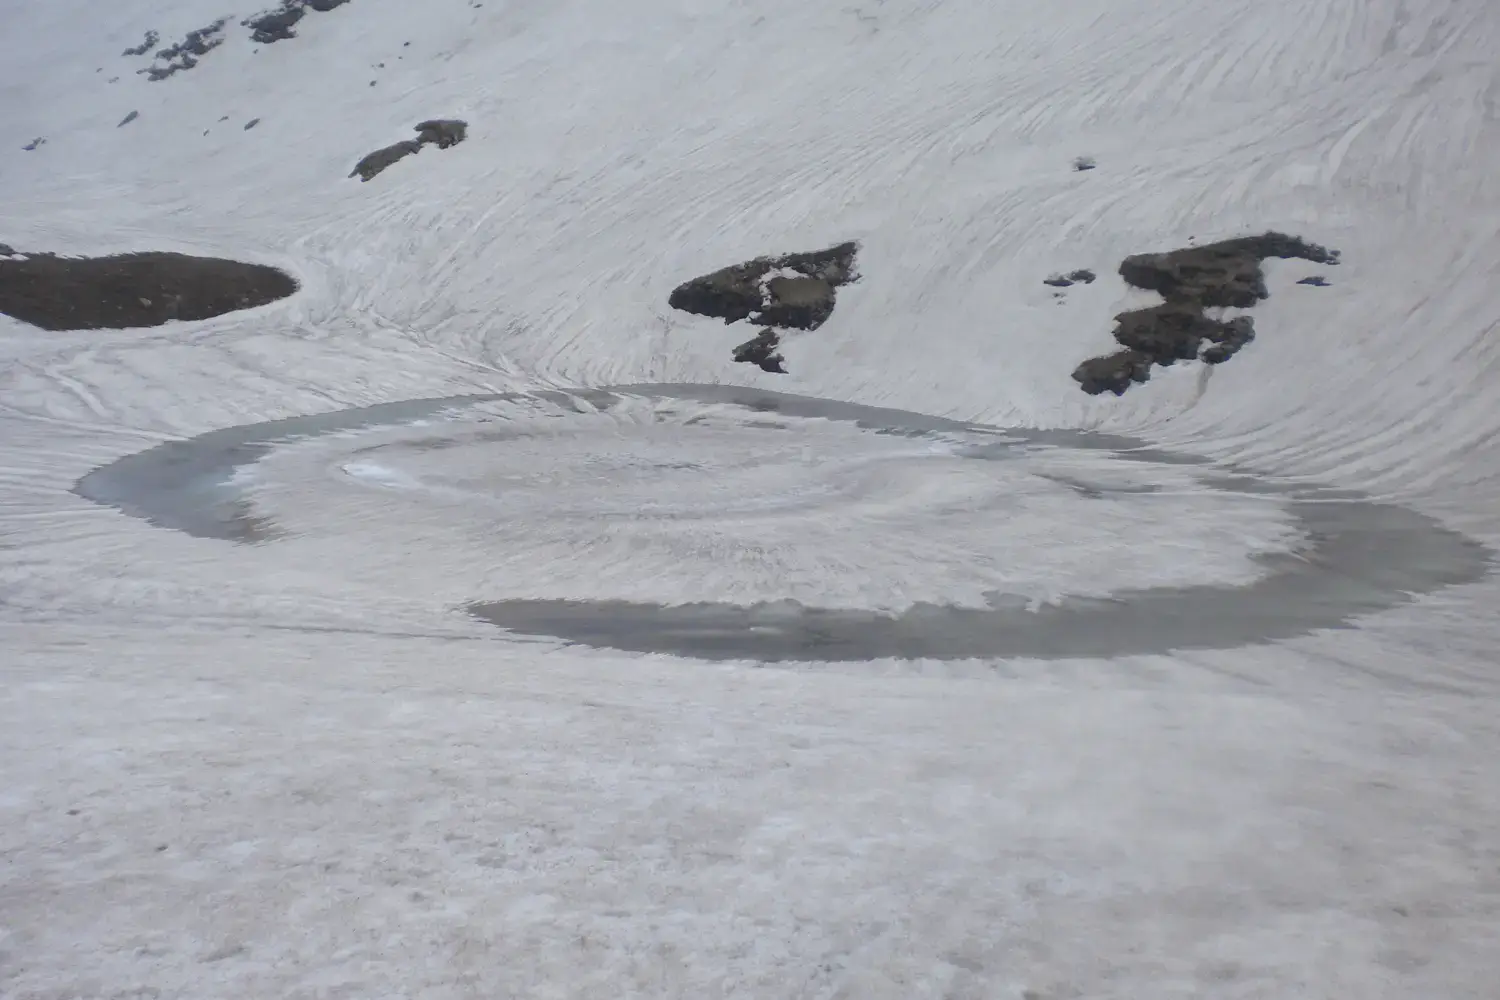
(1358, 556)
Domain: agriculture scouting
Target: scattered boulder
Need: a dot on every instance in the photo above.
(1227, 274)
(251, 124)
(762, 351)
(441, 132)
(1316, 280)
(1083, 163)
(132, 290)
(34, 144)
(129, 118)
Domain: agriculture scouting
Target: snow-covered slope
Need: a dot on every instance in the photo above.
(296, 768)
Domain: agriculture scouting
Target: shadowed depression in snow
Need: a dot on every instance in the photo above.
(1356, 556)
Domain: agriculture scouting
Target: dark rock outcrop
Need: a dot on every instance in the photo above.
(1113, 372)
(1081, 276)
(132, 290)
(375, 162)
(761, 351)
(1227, 274)
(1175, 331)
(184, 55)
(276, 25)
(794, 290)
(439, 132)
(442, 132)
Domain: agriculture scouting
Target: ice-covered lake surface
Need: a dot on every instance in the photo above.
(1350, 556)
(469, 625)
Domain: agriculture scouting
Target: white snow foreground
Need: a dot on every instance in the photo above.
(295, 769)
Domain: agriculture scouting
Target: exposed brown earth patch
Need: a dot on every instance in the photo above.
(1227, 274)
(132, 290)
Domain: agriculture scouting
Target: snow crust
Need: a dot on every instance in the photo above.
(296, 768)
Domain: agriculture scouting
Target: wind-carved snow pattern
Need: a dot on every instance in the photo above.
(757, 487)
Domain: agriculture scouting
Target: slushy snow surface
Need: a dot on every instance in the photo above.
(294, 767)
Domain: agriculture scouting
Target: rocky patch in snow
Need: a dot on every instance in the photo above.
(179, 56)
(762, 350)
(276, 25)
(1081, 276)
(152, 37)
(132, 290)
(439, 132)
(265, 28)
(1227, 274)
(796, 291)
